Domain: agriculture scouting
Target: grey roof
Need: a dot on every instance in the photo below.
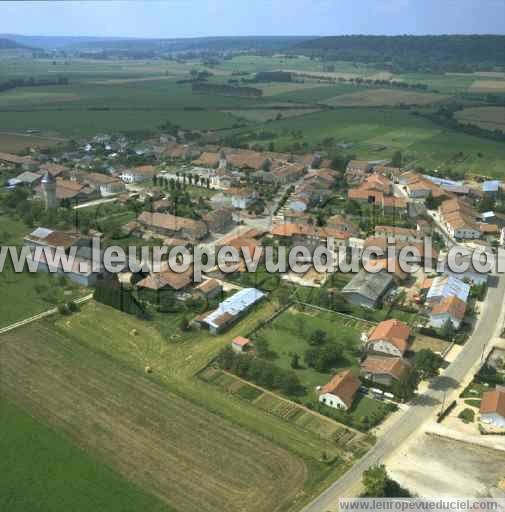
(370, 285)
(28, 177)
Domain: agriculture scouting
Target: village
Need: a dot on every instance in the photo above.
(396, 329)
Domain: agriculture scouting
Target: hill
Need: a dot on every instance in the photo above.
(9, 44)
(412, 53)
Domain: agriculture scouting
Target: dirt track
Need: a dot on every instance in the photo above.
(191, 459)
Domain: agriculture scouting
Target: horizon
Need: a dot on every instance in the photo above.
(266, 18)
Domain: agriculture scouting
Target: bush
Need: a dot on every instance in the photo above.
(63, 309)
(467, 415)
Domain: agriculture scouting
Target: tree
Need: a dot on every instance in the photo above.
(318, 337)
(396, 160)
(447, 331)
(225, 358)
(428, 363)
(295, 361)
(378, 484)
(323, 358)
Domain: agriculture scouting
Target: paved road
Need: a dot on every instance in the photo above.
(426, 405)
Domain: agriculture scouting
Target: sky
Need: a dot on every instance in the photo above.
(196, 18)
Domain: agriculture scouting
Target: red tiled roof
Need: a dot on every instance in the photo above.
(493, 402)
(393, 366)
(394, 331)
(451, 305)
(344, 385)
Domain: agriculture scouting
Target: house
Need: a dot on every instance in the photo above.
(444, 286)
(218, 221)
(342, 224)
(241, 344)
(458, 217)
(138, 174)
(207, 159)
(24, 162)
(55, 170)
(449, 309)
(398, 233)
(25, 179)
(492, 408)
(84, 269)
(384, 370)
(168, 279)
(71, 190)
(172, 226)
(247, 160)
(367, 290)
(426, 252)
(356, 171)
(242, 198)
(106, 184)
(339, 393)
(470, 275)
(210, 288)
(288, 172)
(390, 338)
(232, 309)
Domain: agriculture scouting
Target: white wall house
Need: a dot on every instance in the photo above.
(332, 400)
(494, 419)
(492, 408)
(340, 391)
(384, 347)
(464, 233)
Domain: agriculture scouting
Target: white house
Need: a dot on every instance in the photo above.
(138, 174)
(390, 338)
(492, 408)
(451, 308)
(340, 391)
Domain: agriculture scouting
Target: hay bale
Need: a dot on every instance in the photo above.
(134, 332)
(148, 369)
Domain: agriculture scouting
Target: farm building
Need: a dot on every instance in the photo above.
(232, 309)
(492, 408)
(367, 289)
(339, 393)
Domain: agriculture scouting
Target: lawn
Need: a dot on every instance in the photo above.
(28, 294)
(42, 470)
(288, 334)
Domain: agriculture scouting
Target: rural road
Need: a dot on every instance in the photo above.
(427, 404)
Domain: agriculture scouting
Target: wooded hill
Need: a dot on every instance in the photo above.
(412, 53)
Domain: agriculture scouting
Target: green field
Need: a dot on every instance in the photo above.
(42, 470)
(288, 334)
(377, 133)
(29, 294)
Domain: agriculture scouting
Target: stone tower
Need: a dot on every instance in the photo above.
(49, 191)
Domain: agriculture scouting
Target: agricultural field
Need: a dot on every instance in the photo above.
(264, 115)
(188, 457)
(377, 133)
(385, 97)
(102, 353)
(68, 478)
(488, 86)
(15, 143)
(490, 118)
